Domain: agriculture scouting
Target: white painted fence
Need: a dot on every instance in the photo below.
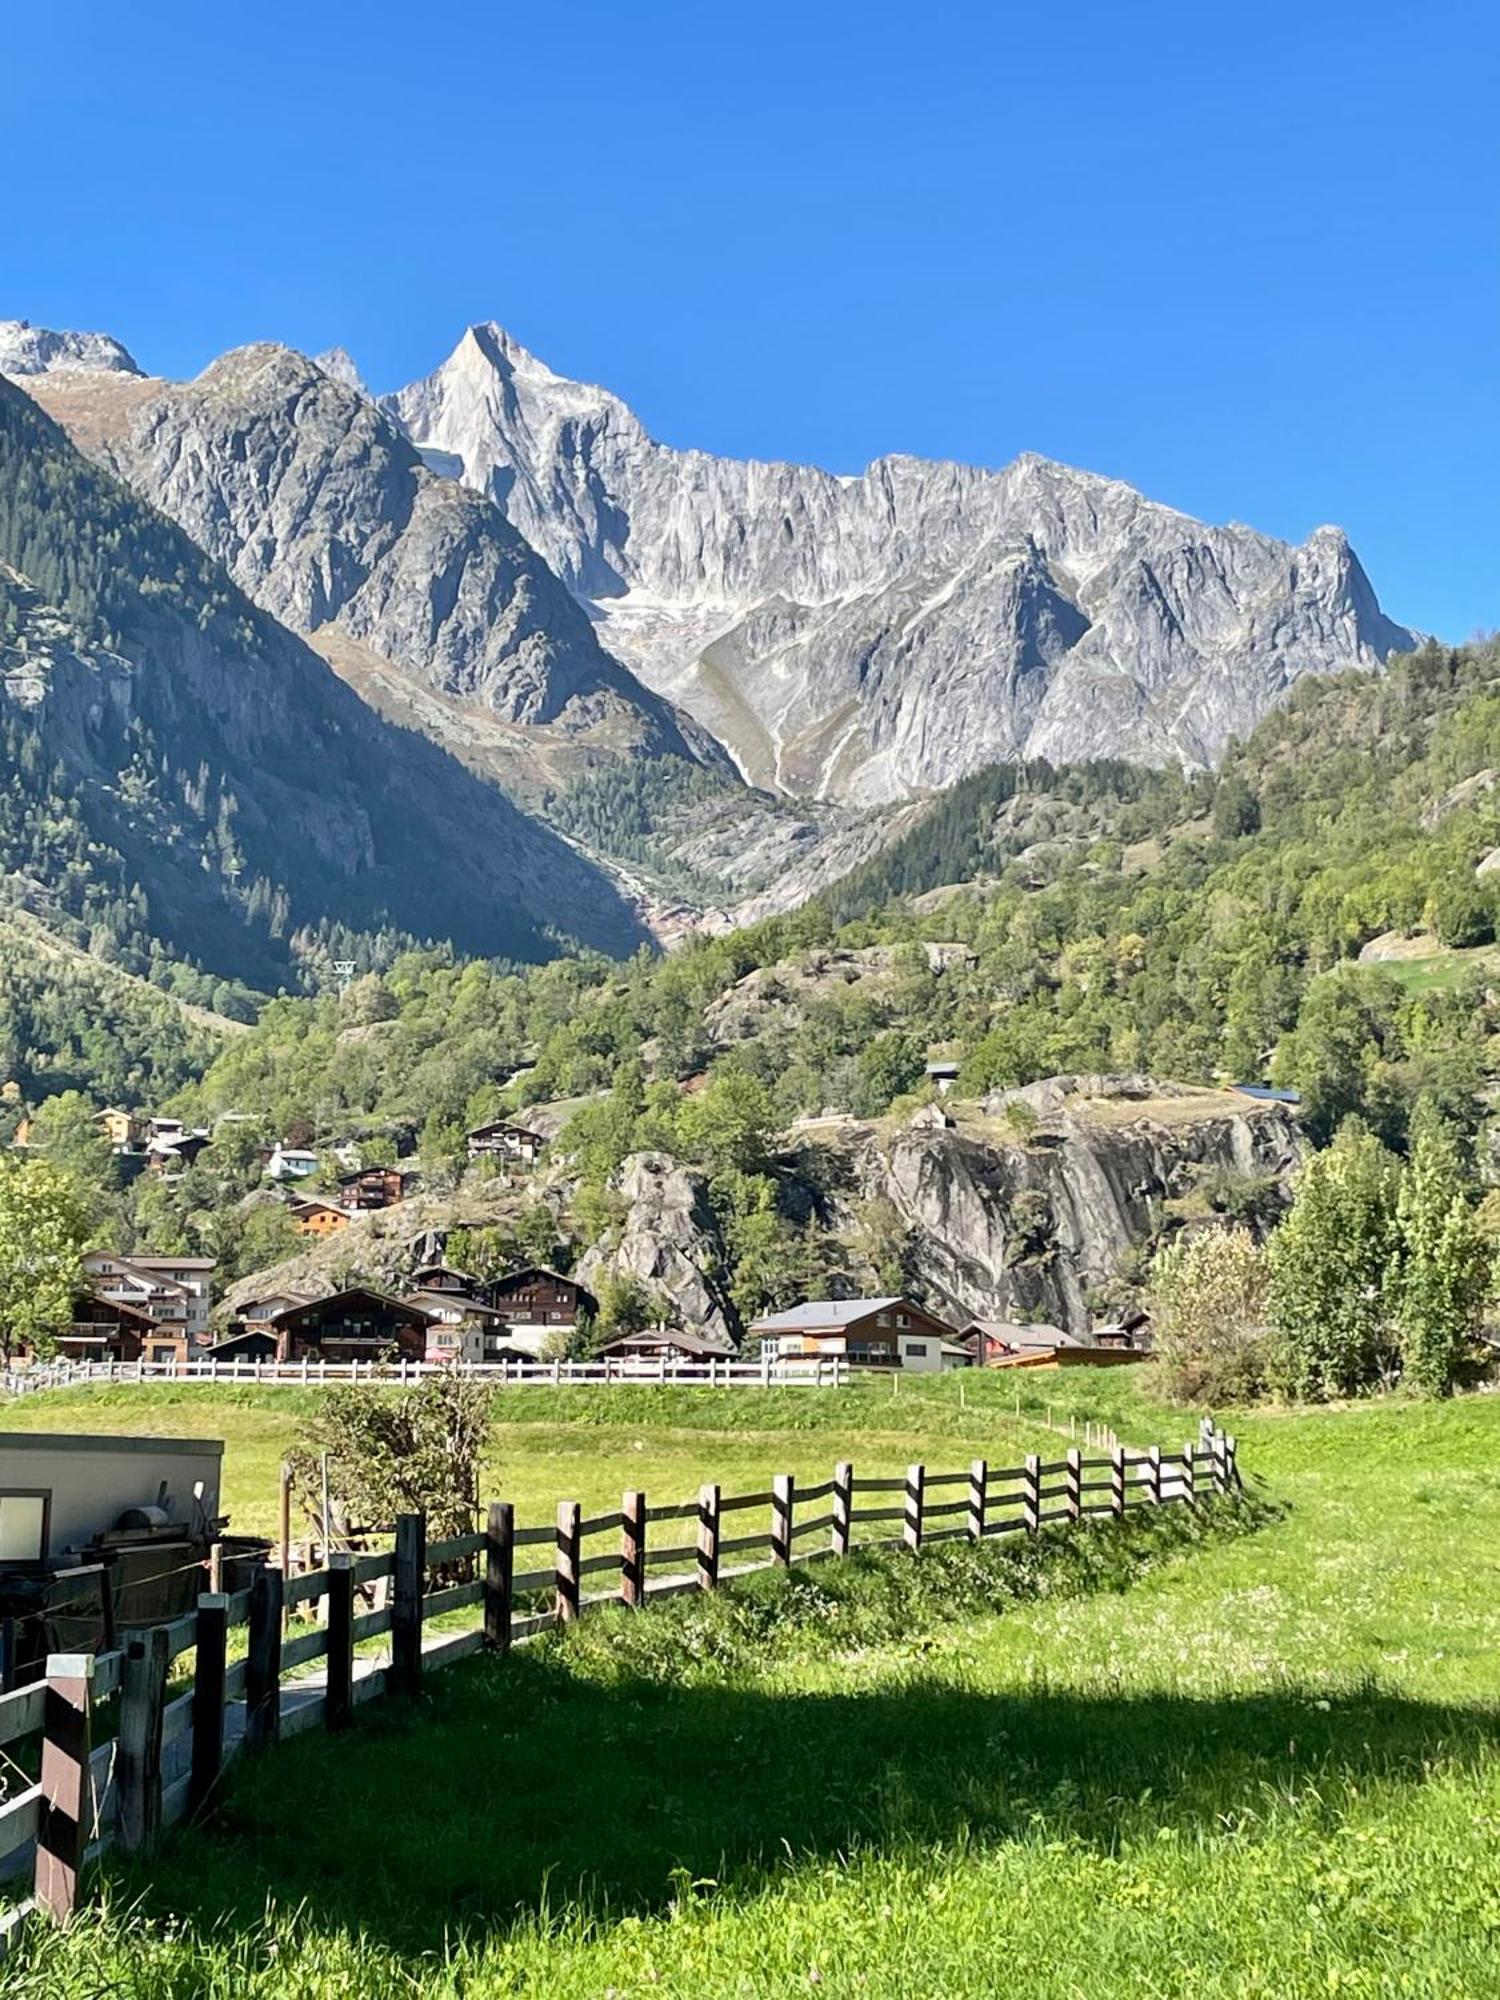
(832, 1372)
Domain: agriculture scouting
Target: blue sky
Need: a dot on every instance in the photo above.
(1247, 258)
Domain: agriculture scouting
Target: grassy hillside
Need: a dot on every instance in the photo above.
(1264, 1764)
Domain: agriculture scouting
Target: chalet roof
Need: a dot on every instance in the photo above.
(671, 1336)
(83, 1300)
(505, 1125)
(823, 1314)
(424, 1271)
(349, 1295)
(172, 1263)
(537, 1271)
(1023, 1333)
(300, 1203)
(1265, 1094)
(437, 1303)
(376, 1167)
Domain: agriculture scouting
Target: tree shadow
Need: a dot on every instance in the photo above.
(523, 1783)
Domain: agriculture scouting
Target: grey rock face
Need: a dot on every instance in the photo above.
(321, 510)
(35, 350)
(864, 638)
(670, 1241)
(1023, 1230)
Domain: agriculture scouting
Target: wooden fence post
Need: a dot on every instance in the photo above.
(843, 1507)
(1232, 1458)
(285, 1501)
(405, 1673)
(499, 1574)
(565, 1568)
(143, 1688)
(67, 1740)
(708, 1537)
(1153, 1475)
(633, 1550)
(979, 1479)
(208, 1698)
(1073, 1484)
(1189, 1475)
(338, 1680)
(1117, 1480)
(916, 1494)
(783, 1502)
(1218, 1462)
(1031, 1495)
(263, 1659)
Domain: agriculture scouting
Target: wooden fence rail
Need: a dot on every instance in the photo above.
(814, 1372)
(111, 1748)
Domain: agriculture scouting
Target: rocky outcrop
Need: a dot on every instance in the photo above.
(27, 350)
(866, 638)
(1023, 1227)
(323, 513)
(670, 1242)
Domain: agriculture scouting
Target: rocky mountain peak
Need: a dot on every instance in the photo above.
(866, 637)
(27, 350)
(340, 364)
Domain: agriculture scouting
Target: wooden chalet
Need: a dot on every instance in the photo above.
(996, 1343)
(367, 1188)
(457, 1322)
(354, 1325)
(314, 1216)
(244, 1343)
(105, 1329)
(666, 1343)
(867, 1333)
(535, 1303)
(443, 1278)
(502, 1140)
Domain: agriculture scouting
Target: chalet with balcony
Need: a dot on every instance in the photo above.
(504, 1141)
(314, 1216)
(354, 1325)
(867, 1333)
(535, 1304)
(666, 1343)
(369, 1188)
(107, 1329)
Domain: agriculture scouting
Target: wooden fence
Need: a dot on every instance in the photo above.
(825, 1372)
(112, 1748)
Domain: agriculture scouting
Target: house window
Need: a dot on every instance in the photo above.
(903, 1319)
(917, 1349)
(23, 1525)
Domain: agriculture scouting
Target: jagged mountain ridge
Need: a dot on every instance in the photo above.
(283, 470)
(242, 790)
(866, 637)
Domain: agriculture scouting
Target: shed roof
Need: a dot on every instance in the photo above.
(825, 1313)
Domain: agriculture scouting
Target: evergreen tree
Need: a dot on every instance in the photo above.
(1443, 1274)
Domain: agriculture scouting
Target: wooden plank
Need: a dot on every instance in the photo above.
(596, 1565)
(680, 1552)
(601, 1524)
(843, 1506)
(947, 1478)
(1071, 1485)
(880, 1485)
(306, 1646)
(783, 1510)
(708, 1537)
(208, 1699)
(529, 1538)
(978, 1495)
(263, 1659)
(406, 1607)
(948, 1507)
(64, 1819)
(1117, 1482)
(822, 1491)
(499, 1574)
(815, 1524)
(878, 1514)
(540, 1621)
(368, 1568)
(1031, 1499)
(565, 1566)
(177, 1718)
(737, 1503)
(338, 1705)
(633, 1518)
(736, 1544)
(916, 1497)
(371, 1625)
(21, 1712)
(138, 1757)
(686, 1511)
(19, 1819)
(454, 1598)
(452, 1646)
(536, 1579)
(455, 1547)
(306, 1589)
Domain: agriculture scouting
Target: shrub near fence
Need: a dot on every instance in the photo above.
(162, 1759)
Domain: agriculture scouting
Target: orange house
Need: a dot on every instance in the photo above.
(311, 1217)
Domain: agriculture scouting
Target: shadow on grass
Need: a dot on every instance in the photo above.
(577, 1771)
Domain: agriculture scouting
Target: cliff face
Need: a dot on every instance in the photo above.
(869, 637)
(1022, 1228)
(670, 1242)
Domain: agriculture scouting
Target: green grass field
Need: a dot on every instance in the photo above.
(1262, 1759)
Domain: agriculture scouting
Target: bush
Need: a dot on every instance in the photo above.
(1208, 1299)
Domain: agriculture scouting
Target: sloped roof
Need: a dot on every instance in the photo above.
(352, 1292)
(823, 1313)
(671, 1336)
